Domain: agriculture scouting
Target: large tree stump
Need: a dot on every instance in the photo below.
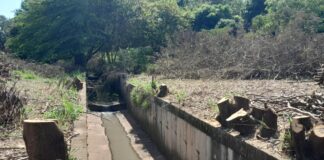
(316, 140)
(298, 138)
(269, 118)
(44, 140)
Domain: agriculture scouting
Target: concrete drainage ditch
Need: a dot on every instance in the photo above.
(126, 139)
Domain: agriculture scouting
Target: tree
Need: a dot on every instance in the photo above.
(253, 9)
(48, 30)
(207, 16)
(281, 12)
(3, 31)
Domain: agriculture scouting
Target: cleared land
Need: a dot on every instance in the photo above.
(200, 97)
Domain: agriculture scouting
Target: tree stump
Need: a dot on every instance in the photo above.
(226, 109)
(44, 140)
(269, 118)
(163, 90)
(316, 140)
(242, 102)
(298, 138)
(242, 122)
(257, 113)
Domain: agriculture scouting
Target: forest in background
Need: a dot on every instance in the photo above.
(245, 39)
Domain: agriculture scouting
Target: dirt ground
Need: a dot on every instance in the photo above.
(200, 97)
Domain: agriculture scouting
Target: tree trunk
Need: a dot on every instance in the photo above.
(44, 140)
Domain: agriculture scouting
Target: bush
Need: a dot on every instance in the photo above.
(141, 95)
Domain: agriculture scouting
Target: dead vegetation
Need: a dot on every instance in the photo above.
(293, 53)
(11, 105)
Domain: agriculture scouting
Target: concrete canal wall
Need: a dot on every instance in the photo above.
(180, 135)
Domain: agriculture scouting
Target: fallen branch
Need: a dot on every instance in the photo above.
(289, 107)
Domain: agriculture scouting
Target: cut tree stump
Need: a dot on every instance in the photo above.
(316, 140)
(298, 138)
(44, 140)
(305, 121)
(269, 118)
(242, 122)
(226, 109)
(257, 113)
(163, 90)
(242, 102)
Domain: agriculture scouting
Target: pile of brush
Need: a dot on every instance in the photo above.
(319, 77)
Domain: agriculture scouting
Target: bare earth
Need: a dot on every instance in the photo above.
(200, 97)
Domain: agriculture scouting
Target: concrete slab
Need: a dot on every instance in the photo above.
(79, 142)
(98, 145)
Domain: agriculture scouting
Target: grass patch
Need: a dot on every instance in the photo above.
(68, 111)
(26, 74)
(181, 96)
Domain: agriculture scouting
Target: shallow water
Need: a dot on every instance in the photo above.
(119, 143)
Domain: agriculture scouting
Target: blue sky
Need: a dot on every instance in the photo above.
(7, 7)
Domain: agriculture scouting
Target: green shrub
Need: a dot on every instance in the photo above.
(141, 95)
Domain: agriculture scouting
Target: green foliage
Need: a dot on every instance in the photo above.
(163, 18)
(207, 16)
(281, 12)
(253, 9)
(141, 95)
(25, 74)
(135, 60)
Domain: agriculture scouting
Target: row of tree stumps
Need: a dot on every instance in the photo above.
(307, 135)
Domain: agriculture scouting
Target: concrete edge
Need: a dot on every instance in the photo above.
(145, 148)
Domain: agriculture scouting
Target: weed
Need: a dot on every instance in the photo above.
(213, 105)
(25, 74)
(181, 96)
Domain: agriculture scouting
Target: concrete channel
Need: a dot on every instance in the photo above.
(120, 145)
(126, 139)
